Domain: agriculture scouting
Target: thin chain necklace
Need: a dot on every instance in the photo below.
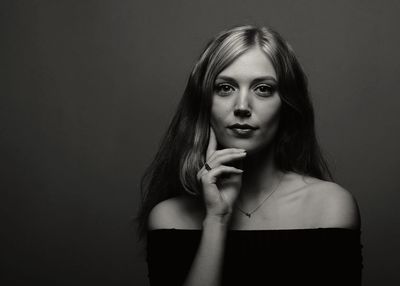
(248, 214)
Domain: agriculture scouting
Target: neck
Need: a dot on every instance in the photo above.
(260, 176)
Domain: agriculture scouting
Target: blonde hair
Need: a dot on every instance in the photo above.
(181, 154)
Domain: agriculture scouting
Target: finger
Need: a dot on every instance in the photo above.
(229, 151)
(222, 159)
(223, 152)
(211, 176)
(216, 160)
(212, 144)
(201, 172)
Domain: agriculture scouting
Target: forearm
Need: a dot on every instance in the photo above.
(206, 268)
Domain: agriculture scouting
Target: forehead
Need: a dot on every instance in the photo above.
(251, 64)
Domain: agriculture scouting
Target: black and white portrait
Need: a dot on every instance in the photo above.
(199, 142)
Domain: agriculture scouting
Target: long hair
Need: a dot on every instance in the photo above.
(182, 149)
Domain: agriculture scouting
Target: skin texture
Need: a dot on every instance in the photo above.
(246, 92)
(220, 194)
(248, 87)
(298, 202)
(238, 98)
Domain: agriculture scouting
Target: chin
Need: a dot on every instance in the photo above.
(249, 147)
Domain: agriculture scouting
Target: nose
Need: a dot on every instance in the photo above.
(242, 108)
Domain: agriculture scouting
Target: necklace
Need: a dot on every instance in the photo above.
(248, 214)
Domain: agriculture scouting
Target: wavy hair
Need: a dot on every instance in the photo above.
(182, 149)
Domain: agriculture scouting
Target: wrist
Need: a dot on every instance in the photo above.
(215, 221)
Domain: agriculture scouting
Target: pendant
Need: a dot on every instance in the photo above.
(248, 214)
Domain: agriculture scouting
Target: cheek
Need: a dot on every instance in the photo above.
(218, 112)
(218, 125)
(218, 122)
(270, 119)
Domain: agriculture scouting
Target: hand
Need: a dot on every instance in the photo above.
(221, 185)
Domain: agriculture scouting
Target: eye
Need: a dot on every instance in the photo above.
(265, 90)
(224, 89)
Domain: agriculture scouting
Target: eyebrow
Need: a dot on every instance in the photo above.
(257, 79)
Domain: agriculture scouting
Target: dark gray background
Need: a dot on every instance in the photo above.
(87, 89)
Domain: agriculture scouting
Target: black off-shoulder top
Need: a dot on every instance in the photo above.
(314, 256)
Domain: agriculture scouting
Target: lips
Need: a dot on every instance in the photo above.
(242, 126)
(242, 130)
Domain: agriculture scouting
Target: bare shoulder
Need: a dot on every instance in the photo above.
(334, 205)
(182, 212)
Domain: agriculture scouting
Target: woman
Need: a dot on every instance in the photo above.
(239, 192)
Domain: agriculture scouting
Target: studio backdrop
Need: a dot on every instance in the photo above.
(87, 90)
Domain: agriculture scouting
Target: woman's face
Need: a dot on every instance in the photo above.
(246, 104)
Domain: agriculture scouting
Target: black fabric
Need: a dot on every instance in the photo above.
(318, 256)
